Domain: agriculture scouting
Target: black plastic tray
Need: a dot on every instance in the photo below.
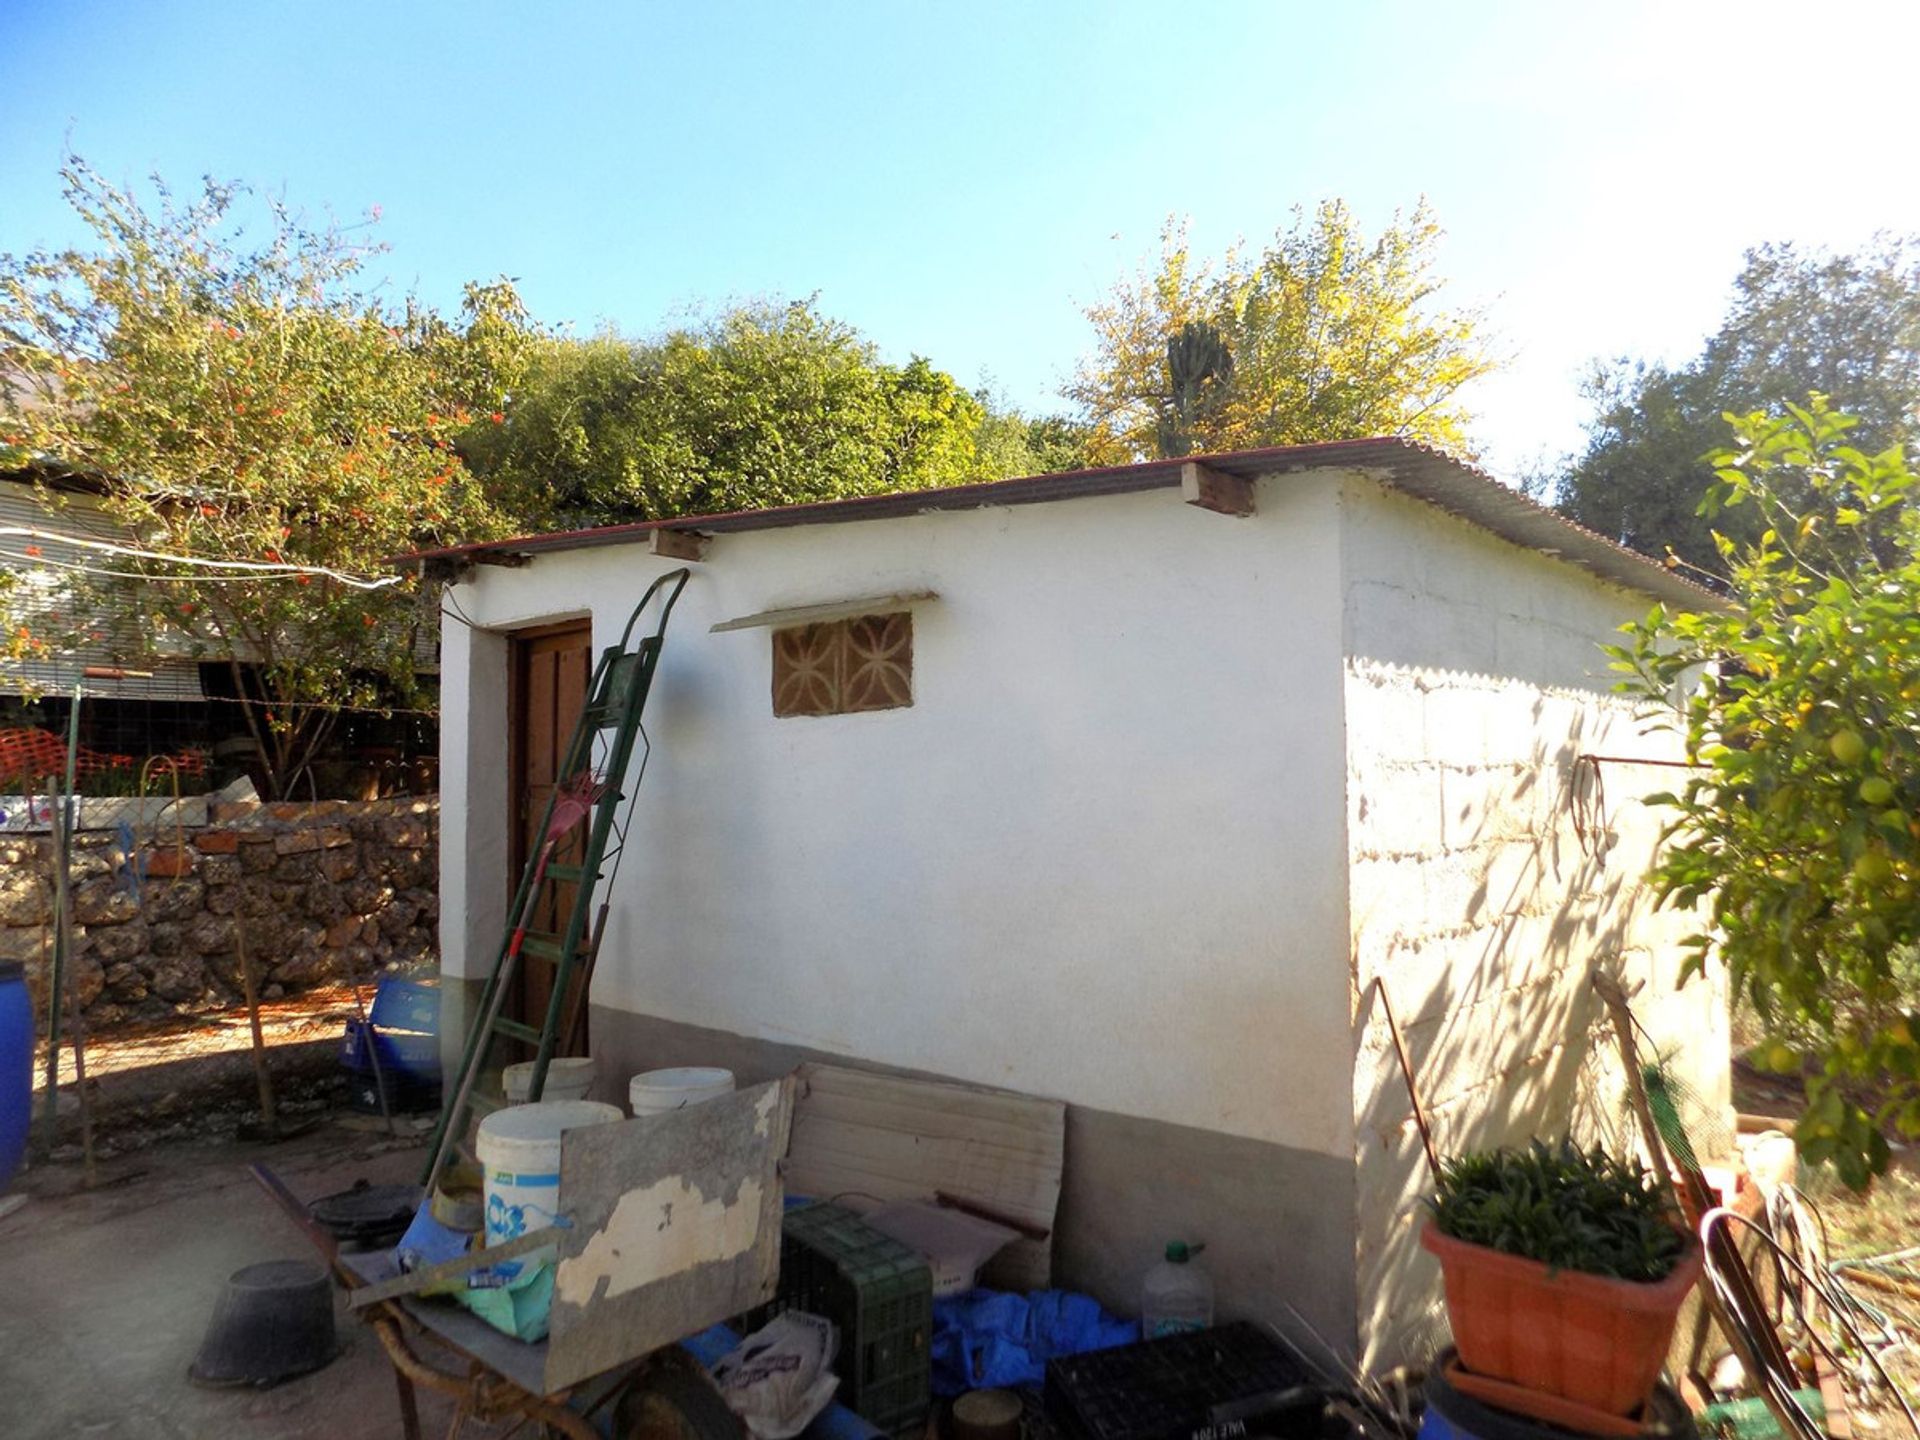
(1170, 1389)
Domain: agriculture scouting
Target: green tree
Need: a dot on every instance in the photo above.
(1322, 335)
(250, 399)
(1846, 326)
(760, 405)
(1800, 703)
(1007, 443)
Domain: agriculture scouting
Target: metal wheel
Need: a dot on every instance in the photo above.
(671, 1404)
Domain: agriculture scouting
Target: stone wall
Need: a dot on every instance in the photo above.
(316, 891)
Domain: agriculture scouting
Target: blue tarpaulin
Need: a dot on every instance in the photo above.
(993, 1339)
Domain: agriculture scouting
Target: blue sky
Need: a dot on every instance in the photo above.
(958, 180)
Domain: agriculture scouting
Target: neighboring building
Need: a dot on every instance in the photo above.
(42, 597)
(143, 698)
(146, 693)
(1084, 789)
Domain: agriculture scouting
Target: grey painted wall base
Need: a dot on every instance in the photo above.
(1278, 1222)
(459, 1001)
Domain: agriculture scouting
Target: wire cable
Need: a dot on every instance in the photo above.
(1825, 1290)
(32, 561)
(133, 552)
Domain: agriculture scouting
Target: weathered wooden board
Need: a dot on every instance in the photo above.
(859, 1134)
(675, 1225)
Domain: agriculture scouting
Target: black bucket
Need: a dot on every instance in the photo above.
(368, 1217)
(273, 1321)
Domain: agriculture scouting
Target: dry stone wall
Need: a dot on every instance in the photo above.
(316, 892)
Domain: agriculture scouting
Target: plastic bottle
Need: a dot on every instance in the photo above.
(1178, 1294)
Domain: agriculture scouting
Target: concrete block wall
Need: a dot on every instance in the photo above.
(323, 890)
(1472, 687)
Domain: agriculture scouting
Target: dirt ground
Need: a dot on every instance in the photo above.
(105, 1292)
(108, 1292)
(193, 1077)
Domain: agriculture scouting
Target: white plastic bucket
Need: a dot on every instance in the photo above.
(655, 1092)
(519, 1151)
(568, 1078)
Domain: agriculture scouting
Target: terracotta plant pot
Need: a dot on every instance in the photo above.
(1595, 1341)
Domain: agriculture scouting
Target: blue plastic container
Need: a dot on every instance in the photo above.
(406, 1005)
(1452, 1415)
(404, 1054)
(16, 1069)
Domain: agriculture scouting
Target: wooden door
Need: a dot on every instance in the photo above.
(548, 686)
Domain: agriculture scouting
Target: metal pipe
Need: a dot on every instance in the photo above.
(1413, 1092)
(56, 987)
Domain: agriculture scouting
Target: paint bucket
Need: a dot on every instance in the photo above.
(655, 1092)
(16, 1068)
(520, 1162)
(568, 1078)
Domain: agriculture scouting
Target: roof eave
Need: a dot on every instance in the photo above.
(1448, 484)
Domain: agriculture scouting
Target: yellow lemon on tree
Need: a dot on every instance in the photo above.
(1873, 868)
(1876, 790)
(1847, 747)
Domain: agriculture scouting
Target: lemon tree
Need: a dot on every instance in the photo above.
(1800, 828)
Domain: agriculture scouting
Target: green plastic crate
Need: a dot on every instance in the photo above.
(879, 1293)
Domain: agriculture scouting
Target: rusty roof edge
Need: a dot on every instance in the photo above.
(1451, 485)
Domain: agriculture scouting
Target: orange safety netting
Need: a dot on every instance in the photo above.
(27, 754)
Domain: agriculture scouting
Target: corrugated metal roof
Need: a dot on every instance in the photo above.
(1426, 474)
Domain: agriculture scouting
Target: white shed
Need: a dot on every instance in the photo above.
(1152, 773)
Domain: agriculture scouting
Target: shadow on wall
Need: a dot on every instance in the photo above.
(1531, 879)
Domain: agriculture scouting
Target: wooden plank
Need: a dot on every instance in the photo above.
(678, 544)
(1215, 490)
(428, 1277)
(675, 1227)
(826, 610)
(860, 1134)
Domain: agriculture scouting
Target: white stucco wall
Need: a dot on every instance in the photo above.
(1101, 857)
(1473, 679)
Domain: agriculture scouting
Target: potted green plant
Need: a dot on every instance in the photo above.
(1564, 1269)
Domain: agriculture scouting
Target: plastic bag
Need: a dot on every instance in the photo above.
(990, 1339)
(515, 1297)
(781, 1376)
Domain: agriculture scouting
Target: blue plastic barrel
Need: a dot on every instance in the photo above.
(16, 1068)
(1453, 1415)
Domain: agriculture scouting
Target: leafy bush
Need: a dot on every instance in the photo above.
(1568, 1208)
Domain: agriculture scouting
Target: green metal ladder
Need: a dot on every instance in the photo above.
(596, 758)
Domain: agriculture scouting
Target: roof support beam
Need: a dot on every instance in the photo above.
(1214, 490)
(678, 544)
